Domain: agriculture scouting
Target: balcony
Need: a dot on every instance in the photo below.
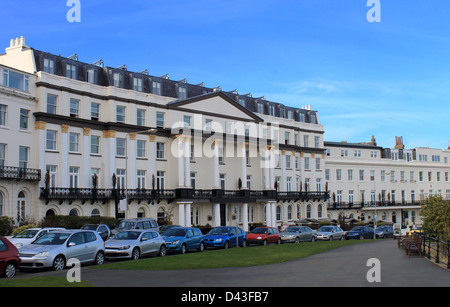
(20, 173)
(361, 205)
(213, 195)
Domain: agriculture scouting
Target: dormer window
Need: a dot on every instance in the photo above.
(156, 88)
(118, 79)
(49, 66)
(91, 75)
(137, 84)
(71, 71)
(182, 92)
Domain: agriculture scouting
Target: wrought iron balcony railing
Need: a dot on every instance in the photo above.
(20, 173)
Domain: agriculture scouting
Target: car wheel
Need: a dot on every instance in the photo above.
(99, 258)
(361, 237)
(244, 243)
(342, 238)
(183, 249)
(135, 254)
(279, 241)
(313, 239)
(202, 247)
(10, 270)
(265, 242)
(59, 263)
(162, 250)
(226, 245)
(297, 240)
(331, 238)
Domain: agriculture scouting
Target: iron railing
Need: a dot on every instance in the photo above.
(20, 173)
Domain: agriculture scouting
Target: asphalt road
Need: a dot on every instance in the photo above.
(343, 267)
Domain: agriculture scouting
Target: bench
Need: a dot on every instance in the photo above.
(412, 244)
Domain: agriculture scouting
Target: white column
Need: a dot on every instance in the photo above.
(245, 216)
(302, 172)
(187, 161)
(244, 166)
(283, 171)
(187, 214)
(132, 162)
(64, 156)
(267, 169)
(181, 214)
(274, 214)
(216, 165)
(216, 215)
(272, 169)
(268, 215)
(86, 158)
(152, 158)
(42, 140)
(180, 162)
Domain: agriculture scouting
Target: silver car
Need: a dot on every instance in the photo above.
(135, 243)
(330, 233)
(28, 235)
(54, 249)
(298, 234)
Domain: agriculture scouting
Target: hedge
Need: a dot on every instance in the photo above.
(76, 222)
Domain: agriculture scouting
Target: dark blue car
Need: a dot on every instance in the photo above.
(225, 236)
(182, 239)
(360, 232)
(385, 231)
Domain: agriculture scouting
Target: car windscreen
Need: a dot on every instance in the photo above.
(126, 225)
(127, 235)
(259, 230)
(325, 229)
(292, 229)
(26, 234)
(177, 232)
(358, 228)
(53, 238)
(89, 227)
(219, 231)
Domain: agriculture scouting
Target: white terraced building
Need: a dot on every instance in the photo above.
(87, 139)
(367, 180)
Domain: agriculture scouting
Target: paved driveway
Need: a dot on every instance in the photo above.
(346, 266)
(342, 267)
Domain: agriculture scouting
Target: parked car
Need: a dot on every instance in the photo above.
(135, 243)
(182, 239)
(9, 258)
(28, 235)
(416, 229)
(360, 232)
(225, 236)
(264, 236)
(102, 229)
(330, 233)
(384, 232)
(137, 223)
(164, 228)
(298, 234)
(55, 248)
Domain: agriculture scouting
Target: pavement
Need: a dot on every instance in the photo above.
(343, 267)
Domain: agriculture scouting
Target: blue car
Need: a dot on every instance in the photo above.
(182, 239)
(360, 232)
(225, 236)
(385, 231)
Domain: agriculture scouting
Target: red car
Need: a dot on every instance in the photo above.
(264, 236)
(9, 258)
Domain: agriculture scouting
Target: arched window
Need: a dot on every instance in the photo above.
(299, 211)
(278, 213)
(308, 211)
(21, 206)
(73, 212)
(394, 217)
(319, 211)
(95, 212)
(1, 203)
(141, 212)
(289, 212)
(50, 212)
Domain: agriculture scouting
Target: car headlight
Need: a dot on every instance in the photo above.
(259, 238)
(124, 247)
(42, 254)
(218, 240)
(176, 242)
(19, 245)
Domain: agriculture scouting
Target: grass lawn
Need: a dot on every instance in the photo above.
(233, 257)
(47, 281)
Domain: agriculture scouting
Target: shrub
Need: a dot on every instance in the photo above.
(22, 228)
(6, 225)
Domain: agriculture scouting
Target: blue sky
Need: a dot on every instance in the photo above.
(385, 79)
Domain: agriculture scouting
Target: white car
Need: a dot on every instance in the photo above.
(28, 235)
(135, 243)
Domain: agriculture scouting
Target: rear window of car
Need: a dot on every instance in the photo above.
(90, 237)
(3, 246)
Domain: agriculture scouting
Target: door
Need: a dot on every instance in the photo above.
(223, 217)
(76, 247)
(190, 240)
(91, 245)
(147, 243)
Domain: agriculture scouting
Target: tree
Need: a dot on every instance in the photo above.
(436, 215)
